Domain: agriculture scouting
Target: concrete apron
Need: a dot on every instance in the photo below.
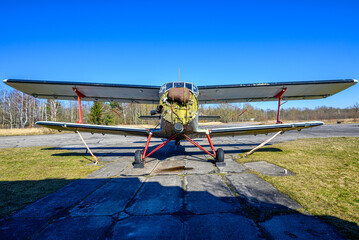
(181, 197)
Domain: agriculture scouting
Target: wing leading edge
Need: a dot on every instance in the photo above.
(261, 129)
(267, 91)
(142, 132)
(104, 92)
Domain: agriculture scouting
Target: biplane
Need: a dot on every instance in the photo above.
(177, 107)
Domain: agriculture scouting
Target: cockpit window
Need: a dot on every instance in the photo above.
(193, 88)
(179, 84)
(169, 85)
(189, 86)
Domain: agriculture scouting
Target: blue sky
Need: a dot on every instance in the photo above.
(145, 42)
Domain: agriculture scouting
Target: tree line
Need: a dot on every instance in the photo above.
(19, 110)
(247, 112)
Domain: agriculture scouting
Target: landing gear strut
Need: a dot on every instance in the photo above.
(140, 156)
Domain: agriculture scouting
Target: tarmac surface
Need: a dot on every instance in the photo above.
(179, 194)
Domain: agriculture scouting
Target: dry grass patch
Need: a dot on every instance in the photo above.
(26, 131)
(326, 181)
(28, 174)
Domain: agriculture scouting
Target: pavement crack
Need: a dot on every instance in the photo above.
(253, 213)
(134, 196)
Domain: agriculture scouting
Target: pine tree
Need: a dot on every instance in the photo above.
(96, 113)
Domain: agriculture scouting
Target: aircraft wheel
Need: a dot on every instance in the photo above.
(138, 157)
(219, 155)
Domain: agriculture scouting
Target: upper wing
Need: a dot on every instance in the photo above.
(91, 91)
(267, 91)
(143, 132)
(261, 129)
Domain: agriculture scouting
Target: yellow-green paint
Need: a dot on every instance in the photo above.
(174, 112)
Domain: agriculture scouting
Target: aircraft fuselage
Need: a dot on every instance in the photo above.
(178, 107)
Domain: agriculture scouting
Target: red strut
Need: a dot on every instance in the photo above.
(279, 96)
(147, 143)
(158, 147)
(145, 155)
(79, 96)
(200, 147)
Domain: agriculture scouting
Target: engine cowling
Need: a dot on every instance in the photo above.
(179, 106)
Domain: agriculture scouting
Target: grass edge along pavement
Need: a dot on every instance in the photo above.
(325, 181)
(26, 131)
(31, 173)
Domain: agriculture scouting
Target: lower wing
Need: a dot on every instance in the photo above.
(261, 129)
(143, 132)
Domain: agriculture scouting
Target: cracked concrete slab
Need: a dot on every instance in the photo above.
(269, 169)
(221, 226)
(166, 167)
(10, 229)
(209, 194)
(198, 167)
(146, 170)
(259, 192)
(231, 167)
(148, 227)
(109, 199)
(110, 170)
(168, 198)
(299, 226)
(77, 228)
(58, 202)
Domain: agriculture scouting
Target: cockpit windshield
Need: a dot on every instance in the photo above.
(165, 87)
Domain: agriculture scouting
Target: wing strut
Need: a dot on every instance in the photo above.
(261, 145)
(279, 96)
(79, 96)
(94, 157)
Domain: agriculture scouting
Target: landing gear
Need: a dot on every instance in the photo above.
(138, 163)
(219, 159)
(220, 155)
(140, 156)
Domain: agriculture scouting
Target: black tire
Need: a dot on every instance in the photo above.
(138, 157)
(219, 155)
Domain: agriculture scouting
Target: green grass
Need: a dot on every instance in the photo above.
(28, 174)
(326, 183)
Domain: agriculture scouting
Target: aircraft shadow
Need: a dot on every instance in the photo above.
(167, 151)
(123, 207)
